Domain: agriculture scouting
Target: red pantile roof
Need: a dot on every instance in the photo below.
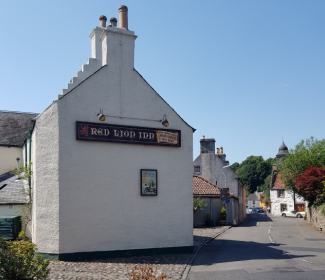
(278, 184)
(202, 187)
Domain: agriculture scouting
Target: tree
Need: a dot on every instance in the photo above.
(310, 152)
(311, 185)
(253, 171)
(25, 173)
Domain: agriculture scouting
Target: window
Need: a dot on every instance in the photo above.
(280, 193)
(197, 170)
(283, 207)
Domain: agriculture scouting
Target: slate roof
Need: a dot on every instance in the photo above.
(202, 187)
(14, 127)
(11, 190)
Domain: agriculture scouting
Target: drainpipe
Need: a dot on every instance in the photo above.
(26, 153)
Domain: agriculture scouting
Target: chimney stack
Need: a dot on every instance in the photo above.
(113, 21)
(123, 14)
(207, 145)
(102, 21)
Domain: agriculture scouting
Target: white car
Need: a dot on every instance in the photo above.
(293, 214)
(249, 210)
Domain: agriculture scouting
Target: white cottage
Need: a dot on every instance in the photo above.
(109, 178)
(281, 198)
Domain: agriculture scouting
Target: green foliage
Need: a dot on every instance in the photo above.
(310, 152)
(25, 174)
(253, 171)
(19, 260)
(198, 204)
(223, 214)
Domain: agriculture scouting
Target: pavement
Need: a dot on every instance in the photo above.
(173, 266)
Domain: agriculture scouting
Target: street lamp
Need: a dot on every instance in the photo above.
(234, 221)
(225, 175)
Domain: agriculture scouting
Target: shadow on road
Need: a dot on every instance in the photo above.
(227, 251)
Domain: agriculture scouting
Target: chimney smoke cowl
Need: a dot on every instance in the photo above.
(123, 15)
(113, 21)
(102, 21)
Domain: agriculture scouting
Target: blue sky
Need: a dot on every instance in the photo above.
(245, 72)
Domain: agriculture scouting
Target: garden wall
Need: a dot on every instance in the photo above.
(316, 218)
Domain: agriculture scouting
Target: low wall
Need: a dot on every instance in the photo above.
(316, 218)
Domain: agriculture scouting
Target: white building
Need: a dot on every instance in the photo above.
(282, 199)
(88, 150)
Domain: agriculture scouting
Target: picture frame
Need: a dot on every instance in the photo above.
(149, 182)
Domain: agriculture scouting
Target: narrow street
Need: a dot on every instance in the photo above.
(263, 247)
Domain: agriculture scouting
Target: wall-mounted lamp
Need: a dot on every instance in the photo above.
(164, 122)
(101, 115)
(102, 118)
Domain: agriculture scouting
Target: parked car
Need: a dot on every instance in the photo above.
(293, 214)
(259, 210)
(249, 210)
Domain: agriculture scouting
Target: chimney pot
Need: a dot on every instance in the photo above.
(218, 151)
(102, 21)
(221, 150)
(113, 21)
(203, 136)
(123, 14)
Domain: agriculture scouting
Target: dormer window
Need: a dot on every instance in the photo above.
(197, 169)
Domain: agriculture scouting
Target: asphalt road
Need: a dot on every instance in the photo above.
(263, 247)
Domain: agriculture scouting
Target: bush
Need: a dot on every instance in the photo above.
(19, 260)
(223, 214)
(145, 273)
(198, 203)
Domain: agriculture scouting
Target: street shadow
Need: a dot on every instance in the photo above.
(226, 251)
(252, 220)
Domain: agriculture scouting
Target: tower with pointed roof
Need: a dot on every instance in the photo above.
(282, 152)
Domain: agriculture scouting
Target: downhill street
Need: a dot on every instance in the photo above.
(263, 247)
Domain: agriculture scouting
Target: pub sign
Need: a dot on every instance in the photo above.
(87, 131)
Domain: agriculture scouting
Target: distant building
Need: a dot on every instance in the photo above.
(214, 168)
(281, 198)
(253, 200)
(210, 193)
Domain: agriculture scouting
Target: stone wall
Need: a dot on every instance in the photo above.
(316, 218)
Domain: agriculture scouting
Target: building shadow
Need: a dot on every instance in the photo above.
(226, 251)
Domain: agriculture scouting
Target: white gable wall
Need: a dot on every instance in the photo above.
(95, 186)
(100, 195)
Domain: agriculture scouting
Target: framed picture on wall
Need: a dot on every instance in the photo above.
(148, 182)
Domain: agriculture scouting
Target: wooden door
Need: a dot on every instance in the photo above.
(300, 207)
